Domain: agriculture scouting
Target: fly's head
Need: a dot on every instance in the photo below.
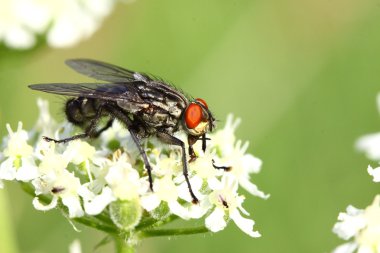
(197, 118)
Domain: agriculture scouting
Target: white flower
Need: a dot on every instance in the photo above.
(370, 145)
(65, 23)
(361, 225)
(164, 190)
(350, 223)
(346, 248)
(203, 169)
(123, 179)
(75, 247)
(164, 164)
(228, 203)
(224, 139)
(95, 204)
(108, 177)
(375, 173)
(19, 163)
(79, 152)
(241, 166)
(56, 180)
(64, 186)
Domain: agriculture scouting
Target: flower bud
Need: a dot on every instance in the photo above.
(126, 214)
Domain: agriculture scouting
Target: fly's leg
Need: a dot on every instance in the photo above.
(225, 168)
(120, 115)
(101, 130)
(168, 139)
(204, 139)
(145, 158)
(90, 131)
(75, 137)
(191, 141)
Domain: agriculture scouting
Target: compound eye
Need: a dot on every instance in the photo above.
(193, 115)
(202, 102)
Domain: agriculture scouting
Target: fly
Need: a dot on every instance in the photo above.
(145, 105)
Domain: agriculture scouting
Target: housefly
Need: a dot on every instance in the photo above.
(146, 106)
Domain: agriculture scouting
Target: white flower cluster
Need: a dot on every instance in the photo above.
(363, 226)
(109, 173)
(64, 23)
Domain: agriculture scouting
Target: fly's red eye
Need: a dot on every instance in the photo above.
(193, 115)
(202, 102)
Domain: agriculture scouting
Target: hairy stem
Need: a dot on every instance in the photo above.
(151, 222)
(122, 246)
(172, 232)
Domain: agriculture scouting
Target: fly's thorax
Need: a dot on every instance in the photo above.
(197, 119)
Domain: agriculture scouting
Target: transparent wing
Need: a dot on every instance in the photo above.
(108, 91)
(105, 71)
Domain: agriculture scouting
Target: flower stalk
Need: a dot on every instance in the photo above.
(122, 246)
(172, 232)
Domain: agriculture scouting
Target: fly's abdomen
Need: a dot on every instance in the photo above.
(80, 110)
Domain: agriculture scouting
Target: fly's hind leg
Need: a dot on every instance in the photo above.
(90, 132)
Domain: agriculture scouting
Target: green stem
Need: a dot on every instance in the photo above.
(122, 246)
(151, 222)
(172, 232)
(95, 224)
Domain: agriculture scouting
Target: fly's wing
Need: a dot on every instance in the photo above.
(126, 92)
(148, 88)
(105, 71)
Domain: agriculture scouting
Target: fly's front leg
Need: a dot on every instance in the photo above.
(225, 168)
(90, 131)
(204, 139)
(191, 140)
(168, 139)
(120, 115)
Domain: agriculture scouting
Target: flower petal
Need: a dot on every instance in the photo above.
(369, 144)
(150, 202)
(375, 173)
(27, 171)
(99, 202)
(246, 225)
(177, 209)
(215, 221)
(251, 164)
(252, 188)
(349, 223)
(39, 206)
(7, 171)
(75, 247)
(346, 248)
(74, 206)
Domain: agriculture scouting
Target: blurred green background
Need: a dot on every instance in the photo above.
(302, 75)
